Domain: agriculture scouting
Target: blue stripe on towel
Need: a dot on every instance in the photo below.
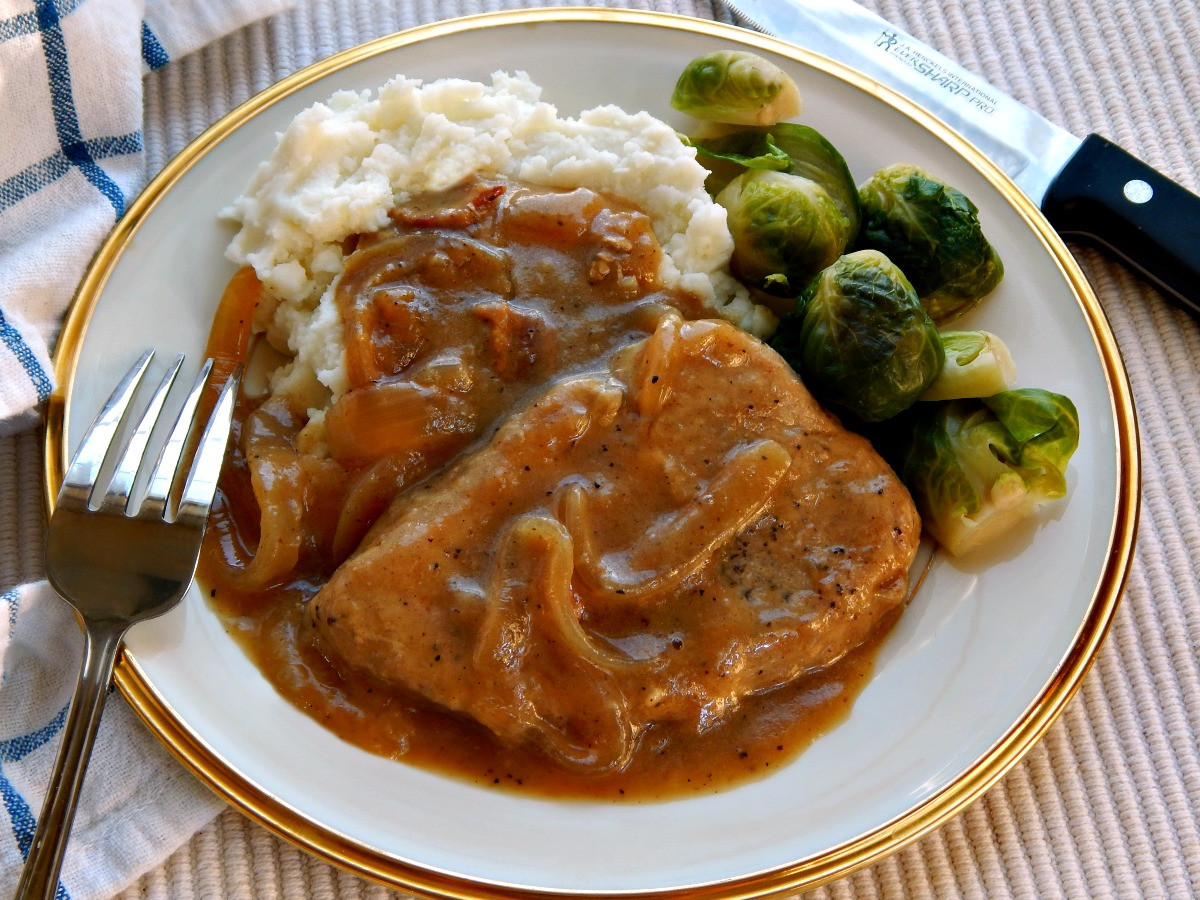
(17, 26)
(11, 338)
(62, 97)
(32, 179)
(27, 23)
(23, 821)
(17, 748)
(152, 51)
(44, 172)
(14, 750)
(10, 599)
(23, 824)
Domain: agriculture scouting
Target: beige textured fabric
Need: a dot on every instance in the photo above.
(1107, 804)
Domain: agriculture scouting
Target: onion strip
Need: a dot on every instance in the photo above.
(229, 339)
(530, 622)
(369, 497)
(277, 480)
(688, 537)
(390, 417)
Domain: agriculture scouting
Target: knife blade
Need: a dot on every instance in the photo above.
(1087, 188)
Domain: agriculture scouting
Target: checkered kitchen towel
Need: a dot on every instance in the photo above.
(70, 159)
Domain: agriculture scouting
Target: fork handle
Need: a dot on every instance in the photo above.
(39, 879)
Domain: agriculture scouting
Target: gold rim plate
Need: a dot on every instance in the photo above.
(976, 671)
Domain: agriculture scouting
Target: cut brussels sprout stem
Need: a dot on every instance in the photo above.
(978, 364)
(978, 467)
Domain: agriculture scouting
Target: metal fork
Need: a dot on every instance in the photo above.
(118, 561)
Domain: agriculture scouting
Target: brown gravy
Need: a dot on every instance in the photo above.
(768, 731)
(461, 313)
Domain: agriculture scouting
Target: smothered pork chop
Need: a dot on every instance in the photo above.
(630, 548)
(516, 491)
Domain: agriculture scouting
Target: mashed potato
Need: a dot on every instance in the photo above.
(341, 165)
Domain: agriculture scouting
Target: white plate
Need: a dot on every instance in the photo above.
(977, 669)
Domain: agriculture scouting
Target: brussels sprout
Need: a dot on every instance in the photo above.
(860, 338)
(788, 147)
(782, 225)
(978, 364)
(736, 87)
(978, 467)
(932, 232)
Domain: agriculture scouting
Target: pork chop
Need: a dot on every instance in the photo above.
(648, 544)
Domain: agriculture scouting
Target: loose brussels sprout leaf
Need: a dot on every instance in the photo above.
(721, 171)
(736, 87)
(978, 467)
(788, 147)
(860, 338)
(932, 232)
(748, 149)
(978, 364)
(781, 225)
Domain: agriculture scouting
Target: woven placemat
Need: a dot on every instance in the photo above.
(1107, 803)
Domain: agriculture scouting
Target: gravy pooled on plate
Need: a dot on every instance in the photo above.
(562, 529)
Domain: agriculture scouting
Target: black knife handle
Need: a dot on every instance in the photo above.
(1112, 198)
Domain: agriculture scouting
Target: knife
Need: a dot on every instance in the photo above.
(1090, 188)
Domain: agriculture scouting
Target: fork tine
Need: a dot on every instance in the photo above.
(85, 465)
(121, 484)
(201, 484)
(158, 491)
